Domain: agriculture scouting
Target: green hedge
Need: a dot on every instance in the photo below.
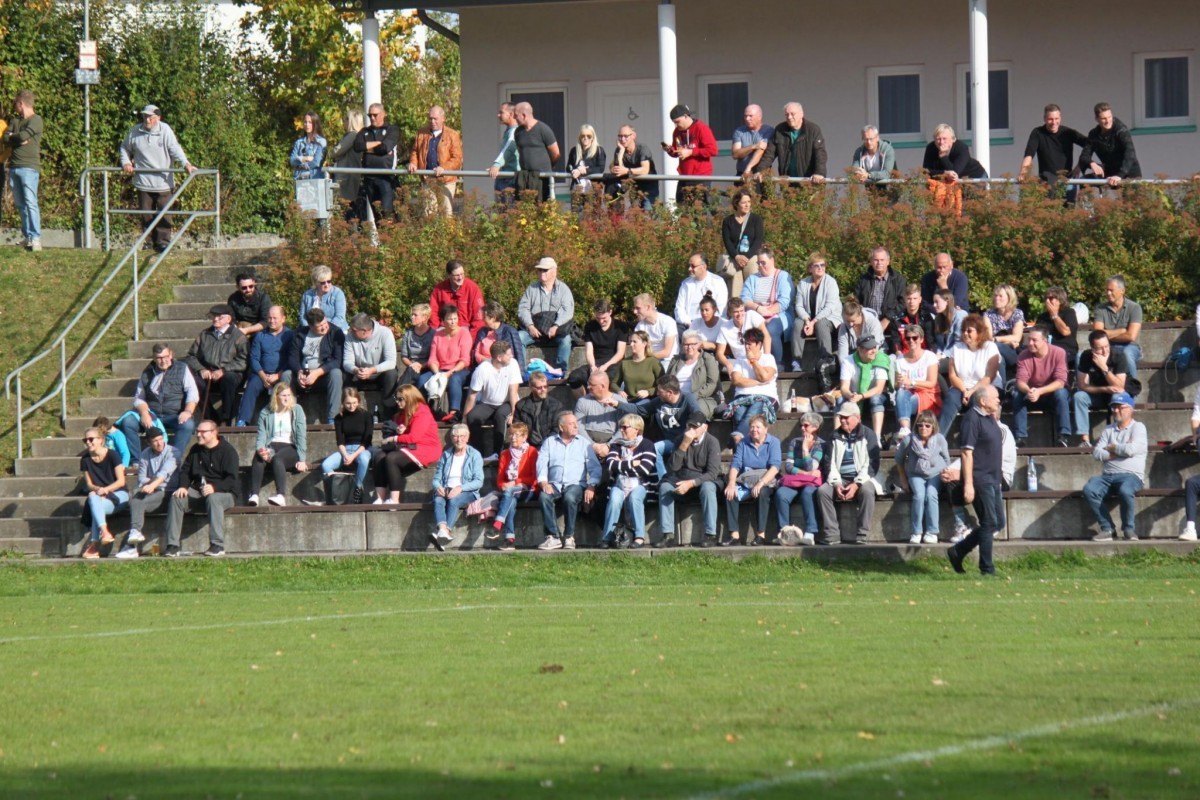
(1032, 242)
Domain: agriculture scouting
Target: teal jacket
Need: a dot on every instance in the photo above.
(299, 430)
(472, 475)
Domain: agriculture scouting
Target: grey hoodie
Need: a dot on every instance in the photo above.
(152, 149)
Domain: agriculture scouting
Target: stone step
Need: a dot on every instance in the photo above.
(237, 256)
(32, 546)
(197, 311)
(42, 486)
(211, 293)
(111, 407)
(46, 467)
(142, 350)
(70, 506)
(377, 528)
(173, 329)
(225, 275)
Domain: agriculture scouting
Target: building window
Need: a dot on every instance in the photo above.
(1163, 90)
(549, 106)
(894, 102)
(723, 98)
(999, 105)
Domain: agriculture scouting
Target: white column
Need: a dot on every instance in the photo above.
(980, 116)
(372, 90)
(668, 89)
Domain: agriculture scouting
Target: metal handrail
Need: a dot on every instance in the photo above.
(68, 368)
(85, 190)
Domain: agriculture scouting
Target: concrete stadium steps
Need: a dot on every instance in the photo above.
(189, 311)
(408, 526)
(142, 350)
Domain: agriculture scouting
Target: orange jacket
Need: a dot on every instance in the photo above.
(526, 470)
(450, 151)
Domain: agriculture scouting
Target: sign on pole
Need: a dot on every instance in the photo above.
(87, 77)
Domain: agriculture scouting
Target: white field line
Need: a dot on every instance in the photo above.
(807, 603)
(949, 751)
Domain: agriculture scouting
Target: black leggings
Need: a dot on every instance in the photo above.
(392, 468)
(285, 459)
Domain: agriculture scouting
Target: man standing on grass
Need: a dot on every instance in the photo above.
(1121, 448)
(24, 136)
(982, 460)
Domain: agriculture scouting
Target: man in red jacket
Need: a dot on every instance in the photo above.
(694, 145)
(461, 292)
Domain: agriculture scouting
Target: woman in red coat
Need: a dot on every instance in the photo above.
(410, 443)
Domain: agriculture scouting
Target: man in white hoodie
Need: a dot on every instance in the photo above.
(151, 145)
(369, 361)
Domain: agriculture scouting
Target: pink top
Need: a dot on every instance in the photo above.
(450, 350)
(1038, 372)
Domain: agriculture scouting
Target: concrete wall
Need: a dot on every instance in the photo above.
(819, 53)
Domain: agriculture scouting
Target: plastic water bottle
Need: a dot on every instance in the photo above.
(1031, 478)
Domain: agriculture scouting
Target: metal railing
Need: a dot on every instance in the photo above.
(85, 191)
(67, 367)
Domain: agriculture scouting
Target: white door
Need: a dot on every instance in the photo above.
(611, 104)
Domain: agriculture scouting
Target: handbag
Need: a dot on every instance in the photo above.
(799, 480)
(753, 476)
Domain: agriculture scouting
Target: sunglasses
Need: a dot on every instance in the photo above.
(88, 439)
(913, 338)
(818, 265)
(247, 287)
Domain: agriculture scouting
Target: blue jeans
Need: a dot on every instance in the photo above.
(25, 195)
(1060, 399)
(743, 413)
(662, 450)
(361, 464)
(454, 386)
(254, 390)
(784, 496)
(762, 505)
(1124, 485)
(1083, 402)
(635, 501)
(989, 507)
(906, 404)
(924, 508)
(561, 343)
(180, 432)
(446, 511)
(952, 406)
(506, 512)
(1132, 353)
(666, 508)
(101, 507)
(776, 329)
(571, 498)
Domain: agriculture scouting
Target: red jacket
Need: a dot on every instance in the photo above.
(422, 431)
(468, 300)
(526, 470)
(699, 137)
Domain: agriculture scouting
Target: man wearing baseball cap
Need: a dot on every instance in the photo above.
(1121, 448)
(546, 311)
(850, 462)
(217, 359)
(694, 144)
(151, 145)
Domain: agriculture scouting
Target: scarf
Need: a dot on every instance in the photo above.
(514, 463)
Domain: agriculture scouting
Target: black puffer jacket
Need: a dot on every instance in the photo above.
(1114, 148)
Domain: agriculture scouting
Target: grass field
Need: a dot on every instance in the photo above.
(585, 676)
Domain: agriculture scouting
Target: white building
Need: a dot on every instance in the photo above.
(901, 65)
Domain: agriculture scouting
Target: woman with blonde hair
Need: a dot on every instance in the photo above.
(1006, 323)
(344, 156)
(282, 442)
(410, 444)
(920, 459)
(630, 466)
(585, 158)
(325, 296)
(974, 362)
(948, 160)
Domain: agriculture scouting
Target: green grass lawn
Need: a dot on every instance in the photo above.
(43, 293)
(582, 676)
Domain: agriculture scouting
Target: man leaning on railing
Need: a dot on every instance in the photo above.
(151, 145)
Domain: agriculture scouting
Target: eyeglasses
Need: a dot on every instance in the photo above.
(627, 427)
(924, 425)
(324, 283)
(913, 338)
(624, 135)
(817, 265)
(88, 439)
(374, 114)
(248, 287)
(206, 430)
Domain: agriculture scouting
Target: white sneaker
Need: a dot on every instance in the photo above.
(313, 502)
(961, 532)
(134, 537)
(902, 434)
(378, 501)
(443, 536)
(569, 543)
(492, 459)
(127, 552)
(35, 245)
(277, 500)
(1189, 533)
(914, 539)
(929, 538)
(808, 539)
(1103, 536)
(551, 543)
(252, 500)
